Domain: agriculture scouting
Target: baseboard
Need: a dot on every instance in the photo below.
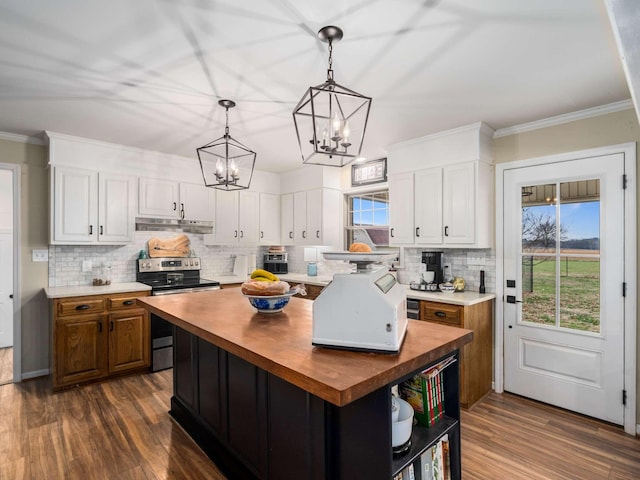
(34, 374)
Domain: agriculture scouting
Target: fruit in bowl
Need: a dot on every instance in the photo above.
(447, 287)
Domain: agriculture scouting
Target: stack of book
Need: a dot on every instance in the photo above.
(432, 465)
(425, 393)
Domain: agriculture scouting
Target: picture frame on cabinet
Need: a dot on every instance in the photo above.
(367, 173)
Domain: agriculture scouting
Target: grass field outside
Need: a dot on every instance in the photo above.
(579, 291)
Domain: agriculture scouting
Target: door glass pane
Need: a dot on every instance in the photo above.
(579, 260)
(561, 255)
(539, 289)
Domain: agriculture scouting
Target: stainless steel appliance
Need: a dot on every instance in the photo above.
(365, 310)
(276, 262)
(168, 276)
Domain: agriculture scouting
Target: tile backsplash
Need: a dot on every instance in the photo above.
(66, 261)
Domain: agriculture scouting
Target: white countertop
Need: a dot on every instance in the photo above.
(82, 290)
(228, 279)
(319, 280)
(465, 298)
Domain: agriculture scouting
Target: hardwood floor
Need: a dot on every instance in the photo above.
(6, 365)
(120, 429)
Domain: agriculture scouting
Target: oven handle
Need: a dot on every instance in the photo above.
(184, 290)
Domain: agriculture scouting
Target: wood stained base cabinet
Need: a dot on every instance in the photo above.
(98, 336)
(476, 358)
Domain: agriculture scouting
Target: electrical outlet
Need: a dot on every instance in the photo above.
(39, 255)
(87, 266)
(446, 270)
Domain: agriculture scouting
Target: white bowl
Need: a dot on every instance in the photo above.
(401, 430)
(447, 287)
(269, 304)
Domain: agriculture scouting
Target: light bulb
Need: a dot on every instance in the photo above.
(346, 131)
(219, 167)
(336, 125)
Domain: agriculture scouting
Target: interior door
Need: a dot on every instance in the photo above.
(6, 259)
(564, 274)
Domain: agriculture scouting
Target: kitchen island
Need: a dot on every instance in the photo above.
(262, 402)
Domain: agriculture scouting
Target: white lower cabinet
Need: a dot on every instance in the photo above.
(90, 207)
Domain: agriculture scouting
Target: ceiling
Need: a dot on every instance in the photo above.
(149, 73)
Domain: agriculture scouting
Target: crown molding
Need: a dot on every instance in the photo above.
(14, 137)
(564, 118)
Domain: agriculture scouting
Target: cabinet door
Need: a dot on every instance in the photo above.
(227, 216)
(428, 206)
(458, 205)
(314, 217)
(158, 198)
(80, 348)
(197, 202)
(249, 218)
(269, 219)
(300, 218)
(75, 205)
(116, 201)
(286, 219)
(129, 340)
(401, 209)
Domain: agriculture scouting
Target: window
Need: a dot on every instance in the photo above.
(368, 219)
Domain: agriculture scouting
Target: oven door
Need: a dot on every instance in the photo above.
(162, 331)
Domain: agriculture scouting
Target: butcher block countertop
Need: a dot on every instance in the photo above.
(280, 343)
(84, 290)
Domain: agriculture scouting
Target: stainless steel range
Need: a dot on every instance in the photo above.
(168, 276)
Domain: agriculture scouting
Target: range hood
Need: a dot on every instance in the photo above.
(173, 225)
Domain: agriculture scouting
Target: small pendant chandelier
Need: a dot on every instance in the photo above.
(226, 164)
(331, 119)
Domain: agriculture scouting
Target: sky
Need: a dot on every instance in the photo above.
(581, 220)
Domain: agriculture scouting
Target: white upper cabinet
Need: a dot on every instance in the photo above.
(449, 204)
(158, 198)
(237, 216)
(89, 207)
(269, 219)
(317, 217)
(197, 202)
(286, 219)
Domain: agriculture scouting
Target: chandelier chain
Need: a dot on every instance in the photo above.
(330, 70)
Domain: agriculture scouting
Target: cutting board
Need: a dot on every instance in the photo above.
(169, 247)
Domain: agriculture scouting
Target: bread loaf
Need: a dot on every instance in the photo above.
(359, 247)
(264, 289)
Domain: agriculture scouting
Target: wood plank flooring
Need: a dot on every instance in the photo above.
(120, 429)
(6, 365)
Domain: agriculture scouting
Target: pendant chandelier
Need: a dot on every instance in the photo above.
(331, 119)
(226, 164)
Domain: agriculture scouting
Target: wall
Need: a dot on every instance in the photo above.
(34, 207)
(610, 129)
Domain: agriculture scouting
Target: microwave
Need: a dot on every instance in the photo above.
(276, 263)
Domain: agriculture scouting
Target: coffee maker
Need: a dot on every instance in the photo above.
(433, 262)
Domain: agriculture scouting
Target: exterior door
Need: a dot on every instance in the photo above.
(564, 273)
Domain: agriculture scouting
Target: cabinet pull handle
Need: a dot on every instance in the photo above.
(291, 235)
(111, 326)
(304, 234)
(317, 233)
(101, 230)
(99, 327)
(241, 233)
(90, 229)
(440, 314)
(175, 206)
(446, 231)
(235, 234)
(391, 233)
(417, 231)
(261, 234)
(182, 211)
(83, 307)
(128, 302)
